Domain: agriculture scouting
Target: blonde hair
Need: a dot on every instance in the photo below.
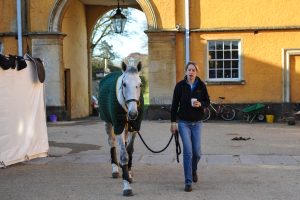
(192, 63)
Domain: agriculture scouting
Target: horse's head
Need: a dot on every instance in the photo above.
(131, 89)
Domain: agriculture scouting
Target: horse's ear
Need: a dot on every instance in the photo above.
(139, 66)
(124, 66)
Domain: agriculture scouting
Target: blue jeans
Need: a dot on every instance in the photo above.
(190, 133)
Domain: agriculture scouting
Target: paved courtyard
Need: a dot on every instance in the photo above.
(240, 161)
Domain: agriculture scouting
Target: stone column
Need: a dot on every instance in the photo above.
(162, 66)
(49, 47)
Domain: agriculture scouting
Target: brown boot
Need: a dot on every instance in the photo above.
(188, 188)
(195, 176)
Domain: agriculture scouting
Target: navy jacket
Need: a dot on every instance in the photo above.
(181, 103)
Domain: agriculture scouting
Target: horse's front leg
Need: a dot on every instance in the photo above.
(130, 148)
(113, 152)
(127, 190)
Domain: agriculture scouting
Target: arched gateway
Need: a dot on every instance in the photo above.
(60, 87)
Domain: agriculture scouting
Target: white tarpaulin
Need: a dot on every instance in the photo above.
(23, 129)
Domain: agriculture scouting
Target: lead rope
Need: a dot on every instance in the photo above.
(177, 144)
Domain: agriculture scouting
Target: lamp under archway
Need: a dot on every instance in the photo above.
(118, 20)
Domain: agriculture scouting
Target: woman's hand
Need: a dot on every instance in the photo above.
(196, 104)
(173, 128)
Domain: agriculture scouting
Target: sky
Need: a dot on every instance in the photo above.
(137, 41)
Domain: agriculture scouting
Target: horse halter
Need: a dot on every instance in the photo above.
(128, 100)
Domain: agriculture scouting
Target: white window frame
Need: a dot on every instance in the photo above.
(223, 79)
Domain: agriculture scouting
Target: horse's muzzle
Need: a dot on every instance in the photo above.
(132, 115)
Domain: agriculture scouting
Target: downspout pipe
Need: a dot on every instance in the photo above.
(19, 26)
(187, 31)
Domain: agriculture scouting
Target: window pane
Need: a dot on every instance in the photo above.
(235, 54)
(227, 64)
(212, 74)
(219, 73)
(219, 54)
(223, 60)
(235, 64)
(212, 64)
(220, 64)
(212, 55)
(235, 73)
(226, 54)
(211, 45)
(235, 45)
(227, 45)
(219, 45)
(227, 74)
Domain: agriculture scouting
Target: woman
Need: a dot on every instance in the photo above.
(190, 97)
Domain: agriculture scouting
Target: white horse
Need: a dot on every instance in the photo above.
(120, 102)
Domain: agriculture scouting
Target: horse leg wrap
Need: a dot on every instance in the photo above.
(129, 160)
(127, 191)
(114, 163)
(113, 155)
(130, 149)
(125, 173)
(129, 166)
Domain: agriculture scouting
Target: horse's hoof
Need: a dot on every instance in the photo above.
(115, 170)
(127, 193)
(127, 190)
(115, 175)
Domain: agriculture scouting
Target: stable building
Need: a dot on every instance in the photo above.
(247, 50)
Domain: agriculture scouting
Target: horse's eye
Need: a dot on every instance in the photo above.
(124, 84)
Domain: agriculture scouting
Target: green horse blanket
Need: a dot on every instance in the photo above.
(110, 109)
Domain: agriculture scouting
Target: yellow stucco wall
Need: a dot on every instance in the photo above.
(165, 13)
(75, 55)
(244, 13)
(8, 16)
(9, 45)
(93, 14)
(179, 12)
(261, 52)
(261, 64)
(8, 24)
(39, 14)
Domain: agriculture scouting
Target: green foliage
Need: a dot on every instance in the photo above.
(98, 66)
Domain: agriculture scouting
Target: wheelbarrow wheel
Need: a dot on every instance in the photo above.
(228, 113)
(260, 117)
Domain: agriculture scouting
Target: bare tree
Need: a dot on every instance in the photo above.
(103, 28)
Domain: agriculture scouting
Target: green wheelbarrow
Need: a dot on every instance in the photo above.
(253, 111)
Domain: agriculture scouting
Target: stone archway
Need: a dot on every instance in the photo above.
(149, 12)
(60, 6)
(159, 42)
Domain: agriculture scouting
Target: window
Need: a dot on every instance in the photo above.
(224, 63)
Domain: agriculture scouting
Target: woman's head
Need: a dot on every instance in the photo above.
(191, 70)
(193, 65)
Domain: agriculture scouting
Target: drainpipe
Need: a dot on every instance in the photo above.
(187, 31)
(19, 23)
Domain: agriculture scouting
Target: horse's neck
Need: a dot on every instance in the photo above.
(120, 96)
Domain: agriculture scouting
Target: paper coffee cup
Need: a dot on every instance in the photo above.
(192, 101)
